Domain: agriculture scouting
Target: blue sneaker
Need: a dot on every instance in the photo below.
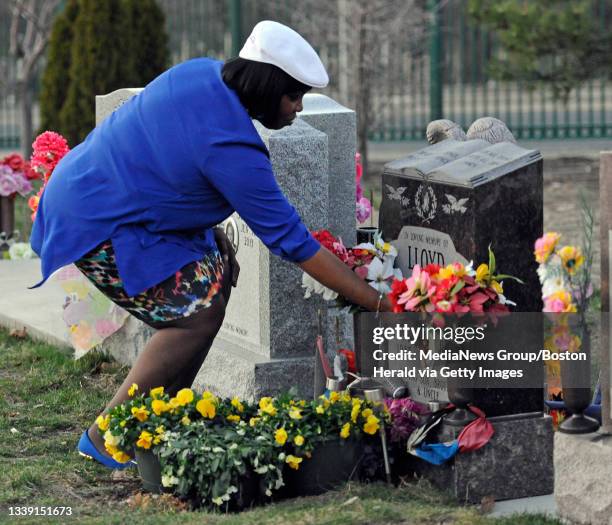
(88, 450)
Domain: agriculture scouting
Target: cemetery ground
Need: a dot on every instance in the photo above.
(47, 398)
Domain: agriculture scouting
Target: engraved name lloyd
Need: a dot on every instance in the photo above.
(424, 256)
(423, 246)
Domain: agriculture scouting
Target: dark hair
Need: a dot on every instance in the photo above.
(260, 86)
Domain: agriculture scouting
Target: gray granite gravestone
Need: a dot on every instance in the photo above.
(340, 125)
(266, 343)
(449, 202)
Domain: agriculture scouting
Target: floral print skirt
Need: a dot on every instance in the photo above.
(188, 291)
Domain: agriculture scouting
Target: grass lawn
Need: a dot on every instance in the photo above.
(47, 399)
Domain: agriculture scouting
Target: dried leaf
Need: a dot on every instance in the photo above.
(487, 504)
(120, 475)
(19, 333)
(350, 501)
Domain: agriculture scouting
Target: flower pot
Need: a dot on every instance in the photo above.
(150, 471)
(149, 468)
(332, 463)
(248, 495)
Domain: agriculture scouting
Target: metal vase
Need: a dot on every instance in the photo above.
(460, 393)
(575, 375)
(366, 234)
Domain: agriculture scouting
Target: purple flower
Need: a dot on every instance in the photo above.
(364, 209)
(24, 186)
(404, 417)
(8, 185)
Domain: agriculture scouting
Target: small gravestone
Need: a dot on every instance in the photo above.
(450, 202)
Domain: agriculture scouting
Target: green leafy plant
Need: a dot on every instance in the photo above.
(557, 42)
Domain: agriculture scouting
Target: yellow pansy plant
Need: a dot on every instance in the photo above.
(371, 425)
(156, 393)
(184, 396)
(140, 413)
(103, 422)
(280, 436)
(145, 440)
(206, 407)
(237, 404)
(293, 461)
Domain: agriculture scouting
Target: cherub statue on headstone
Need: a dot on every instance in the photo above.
(439, 130)
(490, 129)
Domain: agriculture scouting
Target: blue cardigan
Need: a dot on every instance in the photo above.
(157, 174)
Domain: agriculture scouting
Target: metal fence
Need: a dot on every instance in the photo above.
(409, 90)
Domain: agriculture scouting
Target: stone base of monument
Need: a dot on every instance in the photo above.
(230, 373)
(582, 472)
(516, 463)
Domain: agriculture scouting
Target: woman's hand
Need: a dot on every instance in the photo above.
(229, 255)
(326, 268)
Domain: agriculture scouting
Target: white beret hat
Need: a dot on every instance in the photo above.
(277, 44)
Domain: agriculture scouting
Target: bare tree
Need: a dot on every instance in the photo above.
(30, 28)
(363, 43)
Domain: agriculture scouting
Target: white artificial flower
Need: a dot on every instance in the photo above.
(313, 286)
(21, 250)
(384, 248)
(367, 246)
(378, 275)
(169, 481)
(552, 285)
(469, 269)
(503, 300)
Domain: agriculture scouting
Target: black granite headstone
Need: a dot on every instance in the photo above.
(449, 202)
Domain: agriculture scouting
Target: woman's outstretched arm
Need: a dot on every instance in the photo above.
(326, 268)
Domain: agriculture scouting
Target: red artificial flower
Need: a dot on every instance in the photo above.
(333, 244)
(14, 161)
(443, 289)
(432, 269)
(398, 287)
(325, 238)
(359, 257)
(47, 150)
